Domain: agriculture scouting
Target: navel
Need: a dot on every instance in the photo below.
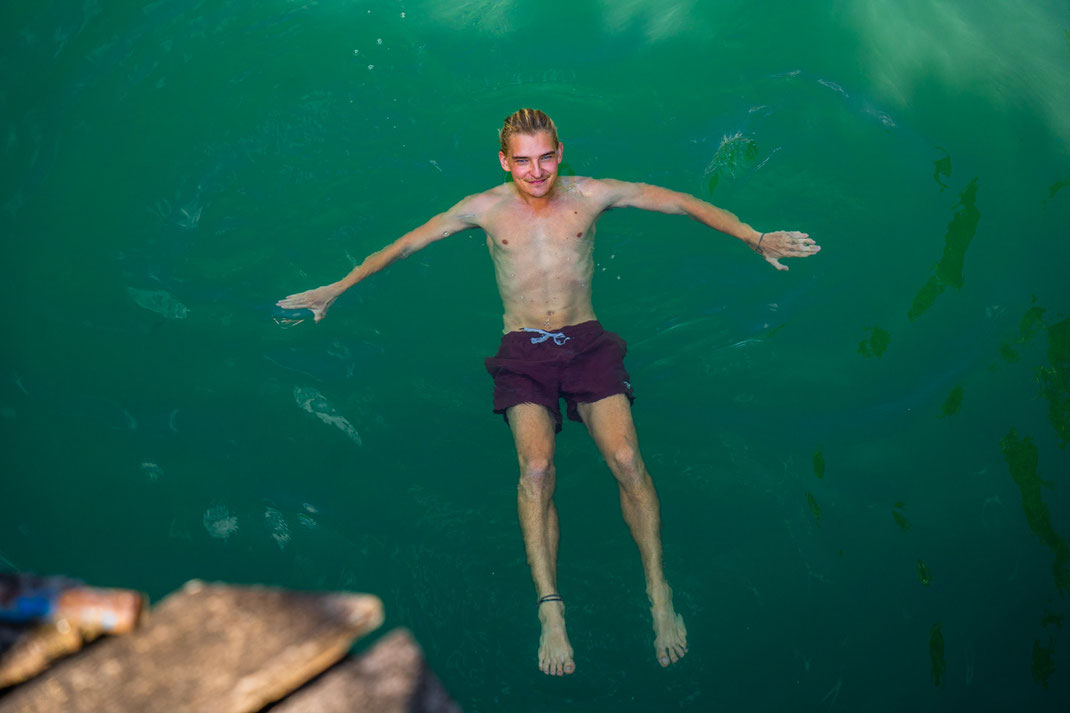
(579, 235)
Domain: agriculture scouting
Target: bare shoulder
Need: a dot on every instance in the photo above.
(605, 192)
(474, 208)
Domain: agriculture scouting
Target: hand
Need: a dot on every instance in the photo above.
(785, 243)
(316, 301)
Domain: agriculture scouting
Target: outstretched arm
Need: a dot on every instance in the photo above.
(460, 217)
(772, 246)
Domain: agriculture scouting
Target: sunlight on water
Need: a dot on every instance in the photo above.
(1013, 54)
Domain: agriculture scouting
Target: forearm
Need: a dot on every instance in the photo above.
(718, 219)
(415, 240)
(376, 262)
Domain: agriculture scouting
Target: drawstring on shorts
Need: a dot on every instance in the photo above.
(558, 337)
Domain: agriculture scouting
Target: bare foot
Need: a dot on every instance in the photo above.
(555, 653)
(670, 635)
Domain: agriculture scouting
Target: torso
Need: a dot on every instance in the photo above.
(543, 259)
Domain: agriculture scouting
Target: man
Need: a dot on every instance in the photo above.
(540, 232)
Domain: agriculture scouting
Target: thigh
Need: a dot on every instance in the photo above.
(609, 421)
(533, 432)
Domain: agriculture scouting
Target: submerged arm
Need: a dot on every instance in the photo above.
(772, 246)
(460, 217)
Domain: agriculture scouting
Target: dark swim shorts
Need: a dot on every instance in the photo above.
(582, 363)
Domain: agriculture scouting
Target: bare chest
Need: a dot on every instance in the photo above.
(521, 234)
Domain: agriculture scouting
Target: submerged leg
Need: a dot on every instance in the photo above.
(610, 424)
(533, 431)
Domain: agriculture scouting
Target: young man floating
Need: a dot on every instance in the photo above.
(540, 232)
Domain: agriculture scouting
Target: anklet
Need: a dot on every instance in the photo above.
(550, 598)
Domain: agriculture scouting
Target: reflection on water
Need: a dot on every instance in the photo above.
(1007, 51)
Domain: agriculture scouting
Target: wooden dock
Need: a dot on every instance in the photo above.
(225, 649)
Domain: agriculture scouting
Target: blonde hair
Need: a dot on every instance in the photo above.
(526, 121)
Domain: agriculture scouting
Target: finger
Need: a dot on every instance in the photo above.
(776, 263)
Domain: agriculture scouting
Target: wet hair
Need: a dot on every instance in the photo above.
(526, 121)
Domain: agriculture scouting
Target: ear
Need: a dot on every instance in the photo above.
(560, 151)
(504, 160)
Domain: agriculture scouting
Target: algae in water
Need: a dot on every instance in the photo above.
(1021, 457)
(1050, 618)
(900, 518)
(936, 655)
(948, 272)
(819, 464)
(1054, 379)
(953, 402)
(925, 576)
(1058, 186)
(1009, 355)
(1032, 322)
(1043, 661)
(814, 508)
(942, 168)
(877, 343)
(734, 153)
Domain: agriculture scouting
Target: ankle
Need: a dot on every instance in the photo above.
(660, 594)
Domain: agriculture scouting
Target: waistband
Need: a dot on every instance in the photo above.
(556, 337)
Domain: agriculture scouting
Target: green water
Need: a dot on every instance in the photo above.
(861, 462)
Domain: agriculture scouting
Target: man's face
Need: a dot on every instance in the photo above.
(532, 162)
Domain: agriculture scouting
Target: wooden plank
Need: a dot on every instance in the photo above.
(206, 648)
(390, 677)
(34, 648)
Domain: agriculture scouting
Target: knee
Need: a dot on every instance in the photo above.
(536, 477)
(627, 465)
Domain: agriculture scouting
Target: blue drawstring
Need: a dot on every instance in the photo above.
(558, 337)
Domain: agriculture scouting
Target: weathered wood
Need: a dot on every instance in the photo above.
(206, 648)
(391, 677)
(34, 648)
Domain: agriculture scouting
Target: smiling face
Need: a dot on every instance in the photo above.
(532, 161)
